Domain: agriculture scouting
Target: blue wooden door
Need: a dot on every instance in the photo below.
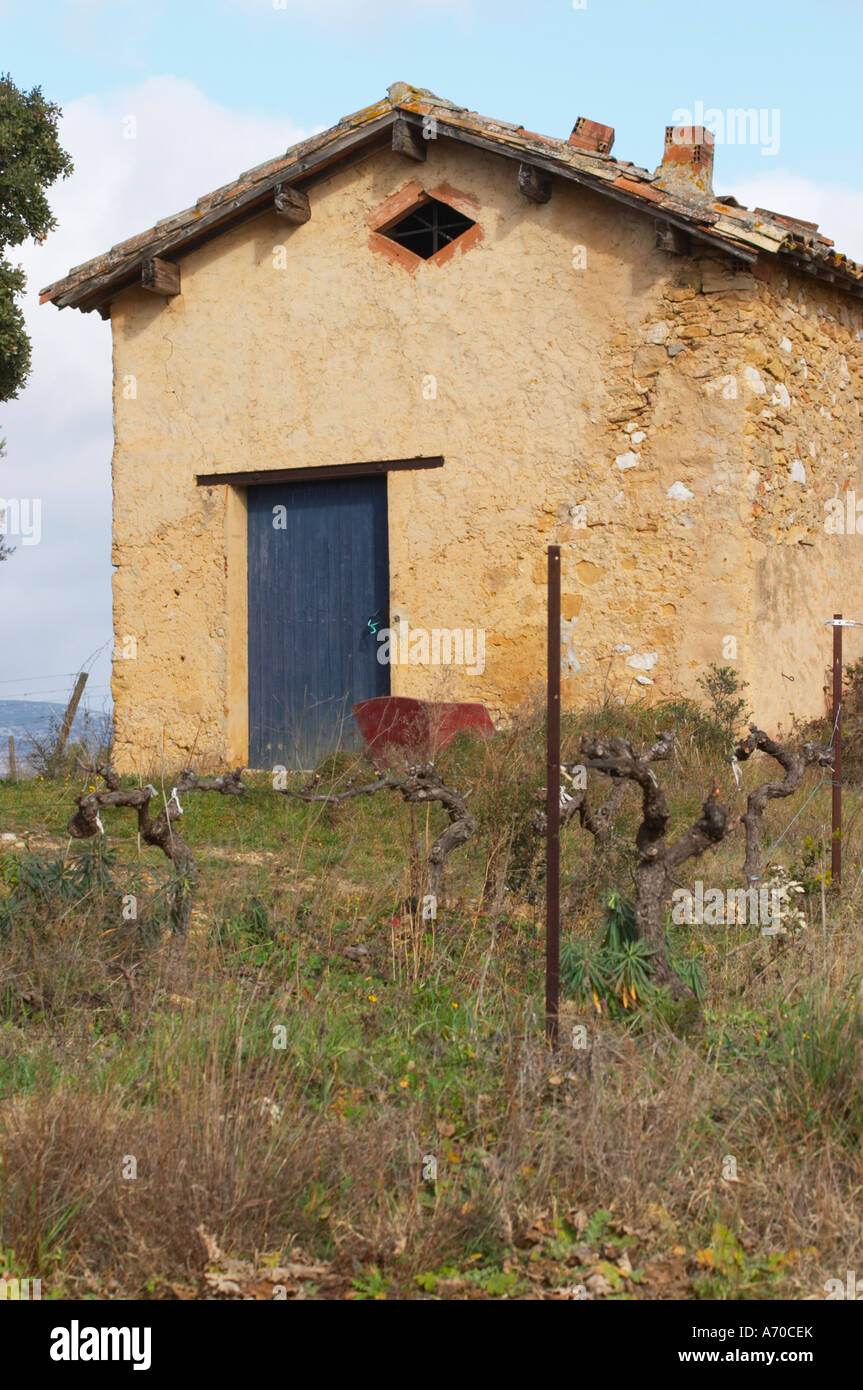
(318, 586)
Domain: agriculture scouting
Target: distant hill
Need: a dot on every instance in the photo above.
(29, 719)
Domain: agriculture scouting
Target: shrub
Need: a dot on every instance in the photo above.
(727, 707)
(817, 1053)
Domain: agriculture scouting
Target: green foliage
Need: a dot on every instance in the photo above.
(821, 730)
(370, 1285)
(817, 1053)
(489, 1281)
(29, 883)
(812, 871)
(597, 1227)
(617, 969)
(690, 971)
(14, 341)
(620, 928)
(681, 1016)
(733, 1274)
(249, 926)
(585, 971)
(631, 972)
(90, 870)
(35, 891)
(503, 772)
(31, 160)
(5, 550)
(12, 1268)
(727, 706)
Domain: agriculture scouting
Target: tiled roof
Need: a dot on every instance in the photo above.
(722, 222)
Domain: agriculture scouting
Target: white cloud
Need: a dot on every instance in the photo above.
(837, 209)
(57, 595)
(184, 146)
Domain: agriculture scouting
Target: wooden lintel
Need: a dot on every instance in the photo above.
(291, 204)
(160, 277)
(671, 238)
(408, 141)
(257, 477)
(534, 183)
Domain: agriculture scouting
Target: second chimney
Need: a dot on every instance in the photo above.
(590, 135)
(687, 162)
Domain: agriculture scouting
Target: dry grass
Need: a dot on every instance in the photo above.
(608, 1164)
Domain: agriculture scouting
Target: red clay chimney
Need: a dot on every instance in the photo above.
(687, 162)
(590, 135)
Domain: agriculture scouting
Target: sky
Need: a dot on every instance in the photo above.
(215, 88)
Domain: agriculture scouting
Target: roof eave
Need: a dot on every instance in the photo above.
(95, 290)
(357, 135)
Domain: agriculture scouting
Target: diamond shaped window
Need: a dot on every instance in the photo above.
(429, 227)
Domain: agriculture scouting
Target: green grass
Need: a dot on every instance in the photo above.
(285, 1096)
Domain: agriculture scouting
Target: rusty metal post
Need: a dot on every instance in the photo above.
(552, 804)
(836, 818)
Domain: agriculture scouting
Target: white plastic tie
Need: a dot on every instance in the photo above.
(99, 823)
(174, 797)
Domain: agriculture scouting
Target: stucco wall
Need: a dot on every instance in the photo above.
(579, 376)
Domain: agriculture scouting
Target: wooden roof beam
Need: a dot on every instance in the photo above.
(408, 141)
(291, 204)
(160, 277)
(534, 183)
(672, 238)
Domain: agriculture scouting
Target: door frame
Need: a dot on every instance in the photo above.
(235, 674)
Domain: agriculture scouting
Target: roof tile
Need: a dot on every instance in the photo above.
(724, 221)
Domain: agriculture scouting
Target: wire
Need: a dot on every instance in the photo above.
(811, 794)
(835, 725)
(25, 694)
(767, 856)
(55, 676)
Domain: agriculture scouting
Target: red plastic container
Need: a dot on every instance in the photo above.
(420, 728)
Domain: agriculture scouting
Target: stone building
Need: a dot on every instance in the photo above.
(364, 386)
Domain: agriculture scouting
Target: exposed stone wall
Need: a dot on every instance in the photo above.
(804, 440)
(583, 386)
(655, 579)
(733, 415)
